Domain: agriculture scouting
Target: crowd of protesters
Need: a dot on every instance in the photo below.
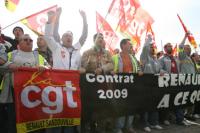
(61, 53)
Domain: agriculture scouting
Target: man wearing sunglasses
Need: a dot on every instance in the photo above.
(23, 57)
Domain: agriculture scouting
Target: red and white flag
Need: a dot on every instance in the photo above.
(36, 22)
(111, 38)
(124, 10)
(132, 19)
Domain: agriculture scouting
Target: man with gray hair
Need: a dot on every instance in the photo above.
(23, 57)
(65, 55)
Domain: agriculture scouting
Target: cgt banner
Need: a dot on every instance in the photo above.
(122, 94)
(46, 99)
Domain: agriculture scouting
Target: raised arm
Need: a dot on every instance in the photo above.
(56, 34)
(183, 41)
(84, 34)
(49, 31)
(181, 53)
(145, 55)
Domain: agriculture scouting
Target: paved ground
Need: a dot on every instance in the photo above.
(173, 128)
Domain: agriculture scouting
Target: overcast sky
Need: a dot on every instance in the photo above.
(166, 26)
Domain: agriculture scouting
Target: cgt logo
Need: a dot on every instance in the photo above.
(51, 107)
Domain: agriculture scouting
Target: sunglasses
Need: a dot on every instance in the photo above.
(27, 39)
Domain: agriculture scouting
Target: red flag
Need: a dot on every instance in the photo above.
(11, 4)
(110, 36)
(115, 5)
(190, 37)
(36, 22)
(124, 10)
(132, 19)
(46, 99)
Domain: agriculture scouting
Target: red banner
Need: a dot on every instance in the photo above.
(46, 99)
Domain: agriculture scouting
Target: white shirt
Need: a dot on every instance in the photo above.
(25, 59)
(61, 55)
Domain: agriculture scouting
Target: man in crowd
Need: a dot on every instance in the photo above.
(44, 50)
(186, 67)
(169, 64)
(7, 44)
(65, 55)
(18, 32)
(150, 65)
(126, 63)
(97, 60)
(3, 58)
(159, 54)
(196, 60)
(116, 51)
(25, 57)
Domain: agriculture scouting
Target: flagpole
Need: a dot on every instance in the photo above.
(11, 24)
(29, 16)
